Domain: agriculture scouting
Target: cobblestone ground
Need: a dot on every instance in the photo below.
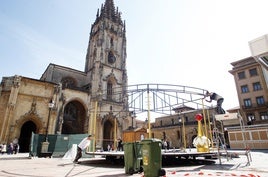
(21, 165)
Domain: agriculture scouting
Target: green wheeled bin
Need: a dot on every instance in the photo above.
(152, 158)
(132, 157)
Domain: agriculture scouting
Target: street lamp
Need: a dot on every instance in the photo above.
(133, 116)
(183, 138)
(45, 144)
(50, 106)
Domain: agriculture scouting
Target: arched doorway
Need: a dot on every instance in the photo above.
(107, 134)
(74, 118)
(25, 135)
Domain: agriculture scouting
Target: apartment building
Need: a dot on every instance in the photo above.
(252, 90)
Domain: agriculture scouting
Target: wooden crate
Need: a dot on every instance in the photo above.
(134, 135)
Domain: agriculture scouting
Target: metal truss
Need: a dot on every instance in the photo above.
(163, 98)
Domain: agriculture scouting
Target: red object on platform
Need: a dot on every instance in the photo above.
(198, 117)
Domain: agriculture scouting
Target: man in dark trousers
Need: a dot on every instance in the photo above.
(81, 146)
(218, 98)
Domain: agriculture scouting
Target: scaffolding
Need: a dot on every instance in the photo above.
(220, 138)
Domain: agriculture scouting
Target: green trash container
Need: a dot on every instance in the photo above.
(152, 158)
(132, 157)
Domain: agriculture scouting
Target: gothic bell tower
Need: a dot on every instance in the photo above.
(106, 70)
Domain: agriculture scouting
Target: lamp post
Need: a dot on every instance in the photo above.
(133, 116)
(45, 144)
(180, 123)
(50, 106)
(98, 99)
(148, 112)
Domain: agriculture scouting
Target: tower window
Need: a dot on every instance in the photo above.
(112, 42)
(109, 91)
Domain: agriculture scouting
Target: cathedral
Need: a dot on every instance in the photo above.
(69, 101)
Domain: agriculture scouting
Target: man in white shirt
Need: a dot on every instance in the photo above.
(81, 146)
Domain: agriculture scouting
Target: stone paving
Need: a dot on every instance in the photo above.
(22, 165)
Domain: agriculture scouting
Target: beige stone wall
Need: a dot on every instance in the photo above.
(252, 138)
(31, 103)
(175, 135)
(17, 106)
(172, 127)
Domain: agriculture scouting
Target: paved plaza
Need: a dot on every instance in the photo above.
(22, 165)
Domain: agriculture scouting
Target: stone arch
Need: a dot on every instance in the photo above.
(26, 125)
(112, 79)
(36, 119)
(108, 130)
(74, 118)
(108, 134)
(27, 129)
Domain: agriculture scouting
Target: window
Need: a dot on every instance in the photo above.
(264, 115)
(241, 75)
(142, 136)
(109, 90)
(264, 60)
(250, 117)
(244, 89)
(111, 58)
(247, 102)
(257, 86)
(178, 134)
(260, 100)
(164, 135)
(68, 82)
(253, 72)
(112, 42)
(70, 112)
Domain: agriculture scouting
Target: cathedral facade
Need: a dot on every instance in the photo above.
(69, 101)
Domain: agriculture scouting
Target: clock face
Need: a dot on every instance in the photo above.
(111, 58)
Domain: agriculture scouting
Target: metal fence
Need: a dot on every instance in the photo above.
(58, 144)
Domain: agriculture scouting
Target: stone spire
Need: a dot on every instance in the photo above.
(108, 11)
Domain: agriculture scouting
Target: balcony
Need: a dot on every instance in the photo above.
(255, 106)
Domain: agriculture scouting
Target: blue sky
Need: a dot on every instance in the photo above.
(182, 42)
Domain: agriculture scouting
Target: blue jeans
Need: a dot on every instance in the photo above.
(219, 109)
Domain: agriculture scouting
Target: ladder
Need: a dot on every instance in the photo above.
(219, 140)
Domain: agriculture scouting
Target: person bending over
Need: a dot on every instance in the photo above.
(218, 98)
(81, 146)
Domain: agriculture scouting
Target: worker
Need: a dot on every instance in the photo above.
(218, 98)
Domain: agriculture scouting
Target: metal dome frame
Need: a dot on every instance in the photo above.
(161, 98)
